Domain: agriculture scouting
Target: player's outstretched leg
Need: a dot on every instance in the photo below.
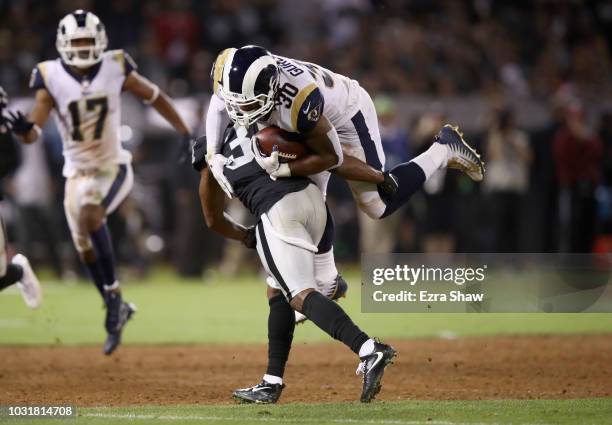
(449, 149)
(9, 275)
(331, 318)
(19, 272)
(99, 259)
(118, 312)
(28, 284)
(280, 337)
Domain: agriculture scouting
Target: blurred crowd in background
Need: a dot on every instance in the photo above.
(548, 185)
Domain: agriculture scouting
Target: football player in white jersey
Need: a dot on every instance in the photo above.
(83, 90)
(338, 121)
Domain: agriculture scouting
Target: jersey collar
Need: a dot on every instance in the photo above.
(89, 76)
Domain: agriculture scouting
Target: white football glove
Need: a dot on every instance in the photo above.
(270, 163)
(216, 163)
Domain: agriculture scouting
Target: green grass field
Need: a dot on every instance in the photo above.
(532, 412)
(173, 311)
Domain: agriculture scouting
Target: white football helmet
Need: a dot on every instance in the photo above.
(77, 25)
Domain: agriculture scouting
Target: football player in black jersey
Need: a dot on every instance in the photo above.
(18, 271)
(291, 219)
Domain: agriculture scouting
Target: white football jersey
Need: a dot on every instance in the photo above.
(297, 106)
(87, 109)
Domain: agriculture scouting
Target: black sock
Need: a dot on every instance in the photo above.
(105, 256)
(410, 179)
(95, 273)
(13, 274)
(281, 323)
(330, 317)
(102, 270)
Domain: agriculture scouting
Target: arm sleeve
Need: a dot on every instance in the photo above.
(217, 121)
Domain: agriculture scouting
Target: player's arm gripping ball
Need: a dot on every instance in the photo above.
(323, 142)
(270, 163)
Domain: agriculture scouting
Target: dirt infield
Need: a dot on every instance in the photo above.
(471, 368)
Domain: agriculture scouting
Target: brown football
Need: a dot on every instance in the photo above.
(290, 146)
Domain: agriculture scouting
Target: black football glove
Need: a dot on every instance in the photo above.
(388, 188)
(184, 148)
(19, 123)
(250, 240)
(198, 153)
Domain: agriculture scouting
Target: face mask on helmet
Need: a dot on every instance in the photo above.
(246, 111)
(81, 39)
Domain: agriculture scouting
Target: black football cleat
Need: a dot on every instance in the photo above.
(262, 393)
(339, 289)
(118, 313)
(461, 156)
(373, 367)
(388, 188)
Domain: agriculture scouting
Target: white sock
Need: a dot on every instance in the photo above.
(112, 287)
(271, 379)
(432, 159)
(366, 348)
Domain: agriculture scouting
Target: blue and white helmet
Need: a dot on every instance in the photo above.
(249, 84)
(81, 24)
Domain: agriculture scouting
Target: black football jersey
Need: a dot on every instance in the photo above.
(251, 183)
(9, 154)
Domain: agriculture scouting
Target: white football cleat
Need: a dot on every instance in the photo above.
(28, 285)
